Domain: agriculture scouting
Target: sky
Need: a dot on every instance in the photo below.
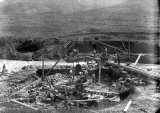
(1, 0)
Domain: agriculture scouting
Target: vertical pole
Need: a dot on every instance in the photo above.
(138, 79)
(99, 78)
(118, 59)
(129, 49)
(158, 34)
(65, 47)
(77, 105)
(93, 79)
(43, 66)
(73, 73)
(81, 78)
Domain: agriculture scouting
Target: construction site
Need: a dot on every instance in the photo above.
(79, 56)
(90, 82)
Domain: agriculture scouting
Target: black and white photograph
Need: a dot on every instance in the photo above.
(79, 56)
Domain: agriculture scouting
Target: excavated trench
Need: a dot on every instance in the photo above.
(108, 76)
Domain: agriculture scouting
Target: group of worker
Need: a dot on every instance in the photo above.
(124, 82)
(85, 74)
(76, 51)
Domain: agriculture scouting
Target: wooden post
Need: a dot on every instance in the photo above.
(93, 79)
(99, 78)
(138, 79)
(126, 108)
(77, 105)
(129, 48)
(118, 59)
(73, 73)
(60, 58)
(43, 66)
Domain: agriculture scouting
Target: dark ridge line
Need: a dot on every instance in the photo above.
(105, 33)
(109, 33)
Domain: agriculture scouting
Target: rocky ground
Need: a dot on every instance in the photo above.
(144, 100)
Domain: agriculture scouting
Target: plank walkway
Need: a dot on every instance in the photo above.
(138, 70)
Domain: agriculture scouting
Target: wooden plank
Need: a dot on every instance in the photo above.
(96, 91)
(92, 99)
(128, 105)
(15, 101)
(137, 59)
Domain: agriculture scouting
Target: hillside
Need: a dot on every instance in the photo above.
(21, 18)
(38, 20)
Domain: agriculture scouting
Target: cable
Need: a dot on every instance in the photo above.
(110, 46)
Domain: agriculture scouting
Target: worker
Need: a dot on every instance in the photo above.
(52, 98)
(94, 52)
(86, 73)
(66, 57)
(124, 73)
(71, 72)
(106, 50)
(4, 69)
(75, 51)
(105, 56)
(120, 86)
(71, 54)
(66, 101)
(52, 81)
(113, 86)
(121, 79)
(78, 68)
(118, 59)
(4, 66)
(71, 76)
(81, 75)
(128, 82)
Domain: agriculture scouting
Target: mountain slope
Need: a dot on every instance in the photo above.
(47, 19)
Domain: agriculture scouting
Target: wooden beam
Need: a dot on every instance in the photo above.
(126, 108)
(93, 99)
(60, 58)
(43, 66)
(99, 77)
(137, 59)
(129, 48)
(15, 101)
(111, 46)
